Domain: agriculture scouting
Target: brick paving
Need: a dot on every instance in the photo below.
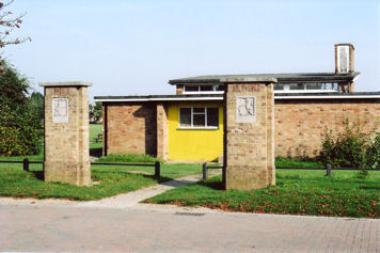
(152, 228)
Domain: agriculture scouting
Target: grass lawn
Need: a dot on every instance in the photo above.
(111, 180)
(95, 130)
(302, 192)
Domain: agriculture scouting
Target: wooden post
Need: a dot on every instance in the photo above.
(328, 170)
(205, 172)
(157, 170)
(25, 164)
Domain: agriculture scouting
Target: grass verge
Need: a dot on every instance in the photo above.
(127, 158)
(110, 180)
(302, 192)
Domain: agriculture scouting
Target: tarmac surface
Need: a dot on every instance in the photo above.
(31, 227)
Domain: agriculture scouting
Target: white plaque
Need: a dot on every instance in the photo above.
(245, 109)
(60, 110)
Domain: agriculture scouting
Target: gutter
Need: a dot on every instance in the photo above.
(159, 99)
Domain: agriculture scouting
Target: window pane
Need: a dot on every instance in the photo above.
(313, 86)
(296, 86)
(220, 88)
(206, 88)
(278, 86)
(199, 120)
(212, 117)
(185, 117)
(199, 110)
(191, 88)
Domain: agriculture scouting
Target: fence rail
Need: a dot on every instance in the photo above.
(156, 165)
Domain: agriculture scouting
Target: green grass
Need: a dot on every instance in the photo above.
(127, 158)
(95, 130)
(297, 164)
(110, 180)
(303, 192)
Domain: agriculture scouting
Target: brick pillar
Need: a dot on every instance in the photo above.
(162, 131)
(66, 133)
(249, 134)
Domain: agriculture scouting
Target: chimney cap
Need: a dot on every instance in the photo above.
(345, 44)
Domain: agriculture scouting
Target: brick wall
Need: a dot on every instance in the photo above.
(130, 128)
(300, 125)
(162, 131)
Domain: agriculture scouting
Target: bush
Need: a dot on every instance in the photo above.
(352, 148)
(20, 133)
(20, 115)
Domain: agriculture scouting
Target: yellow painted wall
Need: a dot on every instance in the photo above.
(194, 144)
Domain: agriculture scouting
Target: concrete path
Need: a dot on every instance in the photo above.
(133, 198)
(124, 200)
(27, 228)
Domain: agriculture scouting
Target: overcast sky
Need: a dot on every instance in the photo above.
(135, 47)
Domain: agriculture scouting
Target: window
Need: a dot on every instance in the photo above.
(199, 117)
(306, 87)
(191, 89)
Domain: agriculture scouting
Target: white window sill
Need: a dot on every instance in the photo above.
(202, 92)
(305, 91)
(197, 128)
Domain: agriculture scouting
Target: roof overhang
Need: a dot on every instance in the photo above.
(159, 98)
(220, 97)
(280, 78)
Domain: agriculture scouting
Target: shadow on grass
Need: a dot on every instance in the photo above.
(39, 174)
(97, 152)
(143, 173)
(215, 185)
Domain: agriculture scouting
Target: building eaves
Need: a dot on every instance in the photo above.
(220, 97)
(160, 98)
(280, 77)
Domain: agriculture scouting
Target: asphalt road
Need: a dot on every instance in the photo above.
(60, 228)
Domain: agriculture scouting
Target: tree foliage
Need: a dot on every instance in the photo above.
(8, 23)
(20, 115)
(351, 148)
(96, 112)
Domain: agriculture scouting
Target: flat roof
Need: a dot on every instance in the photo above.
(279, 77)
(220, 97)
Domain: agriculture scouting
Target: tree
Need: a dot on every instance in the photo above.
(20, 115)
(96, 112)
(8, 23)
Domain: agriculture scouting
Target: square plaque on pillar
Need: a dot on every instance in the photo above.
(60, 109)
(245, 109)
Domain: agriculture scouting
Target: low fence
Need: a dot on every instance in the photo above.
(156, 165)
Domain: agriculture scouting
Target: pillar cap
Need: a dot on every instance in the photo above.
(66, 84)
(344, 44)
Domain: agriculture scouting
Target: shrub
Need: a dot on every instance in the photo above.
(20, 115)
(352, 148)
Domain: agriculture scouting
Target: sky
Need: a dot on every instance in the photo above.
(134, 47)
